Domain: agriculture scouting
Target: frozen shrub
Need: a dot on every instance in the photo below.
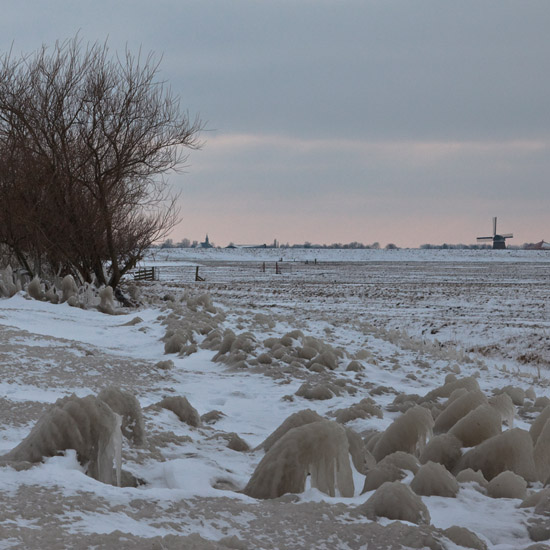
(478, 425)
(212, 341)
(355, 366)
(320, 449)
(464, 538)
(538, 424)
(127, 406)
(271, 342)
(434, 479)
(182, 409)
(472, 476)
(457, 409)
(507, 485)
(393, 500)
(541, 454)
(295, 334)
(364, 409)
(307, 416)
(517, 394)
(106, 303)
(401, 460)
(403, 402)
(68, 288)
(530, 393)
(455, 395)
(212, 417)
(371, 440)
(361, 458)
(541, 402)
(505, 406)
(444, 449)
(204, 301)
(177, 341)
(132, 322)
(52, 296)
(539, 500)
(512, 450)
(87, 425)
(7, 286)
(237, 443)
(379, 475)
(264, 320)
(319, 392)
(306, 352)
(34, 290)
(328, 359)
(165, 365)
(407, 433)
(188, 349)
(469, 383)
(228, 338)
(264, 359)
(451, 377)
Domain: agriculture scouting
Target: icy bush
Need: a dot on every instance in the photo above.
(8, 287)
(541, 454)
(472, 476)
(444, 449)
(300, 418)
(34, 290)
(505, 406)
(379, 475)
(320, 449)
(507, 485)
(478, 425)
(127, 406)
(457, 408)
(464, 538)
(393, 500)
(181, 407)
(364, 409)
(407, 433)
(87, 425)
(512, 450)
(433, 479)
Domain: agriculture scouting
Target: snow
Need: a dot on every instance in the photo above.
(418, 314)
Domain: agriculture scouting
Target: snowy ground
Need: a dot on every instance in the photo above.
(410, 316)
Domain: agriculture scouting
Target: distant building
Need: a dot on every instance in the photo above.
(542, 245)
(206, 243)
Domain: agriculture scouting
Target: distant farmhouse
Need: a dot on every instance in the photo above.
(542, 245)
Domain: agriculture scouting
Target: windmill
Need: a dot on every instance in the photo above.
(499, 241)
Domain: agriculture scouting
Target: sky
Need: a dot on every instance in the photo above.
(340, 120)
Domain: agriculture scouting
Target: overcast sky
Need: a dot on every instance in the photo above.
(337, 121)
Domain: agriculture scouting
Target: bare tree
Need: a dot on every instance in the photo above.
(86, 140)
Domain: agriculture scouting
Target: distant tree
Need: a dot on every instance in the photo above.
(184, 243)
(168, 243)
(391, 246)
(85, 142)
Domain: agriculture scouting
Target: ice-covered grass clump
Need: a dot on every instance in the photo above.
(319, 449)
(85, 424)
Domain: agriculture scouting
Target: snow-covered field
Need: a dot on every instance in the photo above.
(410, 318)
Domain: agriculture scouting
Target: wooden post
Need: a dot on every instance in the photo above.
(263, 267)
(277, 272)
(197, 277)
